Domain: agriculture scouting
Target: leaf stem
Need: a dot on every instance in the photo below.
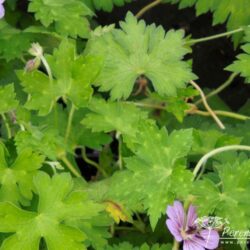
(118, 136)
(217, 120)
(204, 159)
(220, 88)
(147, 8)
(47, 67)
(70, 167)
(195, 111)
(176, 245)
(7, 126)
(93, 163)
(208, 38)
(221, 113)
(69, 125)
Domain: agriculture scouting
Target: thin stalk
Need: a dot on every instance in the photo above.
(70, 167)
(217, 120)
(221, 113)
(195, 111)
(47, 67)
(176, 245)
(216, 151)
(118, 136)
(220, 88)
(93, 163)
(208, 38)
(148, 105)
(7, 126)
(69, 125)
(147, 8)
(49, 72)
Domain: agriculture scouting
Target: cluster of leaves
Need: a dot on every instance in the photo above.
(99, 133)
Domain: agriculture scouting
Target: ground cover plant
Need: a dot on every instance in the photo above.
(110, 139)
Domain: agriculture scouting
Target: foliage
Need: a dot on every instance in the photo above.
(102, 127)
(235, 13)
(129, 52)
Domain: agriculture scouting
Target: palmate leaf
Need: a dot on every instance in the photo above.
(159, 176)
(16, 178)
(156, 175)
(241, 66)
(229, 199)
(109, 116)
(59, 206)
(235, 13)
(128, 246)
(106, 5)
(73, 74)
(8, 100)
(13, 41)
(46, 135)
(135, 50)
(69, 16)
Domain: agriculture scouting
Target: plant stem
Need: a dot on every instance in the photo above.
(147, 8)
(220, 88)
(208, 38)
(204, 159)
(70, 119)
(217, 120)
(118, 136)
(221, 113)
(70, 167)
(93, 163)
(195, 111)
(7, 126)
(47, 67)
(176, 245)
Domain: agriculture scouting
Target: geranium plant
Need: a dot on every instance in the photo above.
(109, 139)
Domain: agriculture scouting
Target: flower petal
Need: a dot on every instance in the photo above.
(2, 11)
(191, 217)
(192, 245)
(174, 229)
(2, 1)
(211, 238)
(176, 213)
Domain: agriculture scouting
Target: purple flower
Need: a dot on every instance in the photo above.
(184, 228)
(2, 10)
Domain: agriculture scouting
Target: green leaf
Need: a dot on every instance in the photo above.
(241, 66)
(235, 13)
(106, 5)
(110, 116)
(207, 140)
(16, 177)
(47, 142)
(229, 199)
(13, 41)
(74, 75)
(156, 174)
(42, 94)
(128, 246)
(136, 50)
(68, 16)
(57, 209)
(8, 100)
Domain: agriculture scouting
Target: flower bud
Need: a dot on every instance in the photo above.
(36, 50)
(32, 64)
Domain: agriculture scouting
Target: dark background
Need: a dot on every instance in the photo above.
(209, 58)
